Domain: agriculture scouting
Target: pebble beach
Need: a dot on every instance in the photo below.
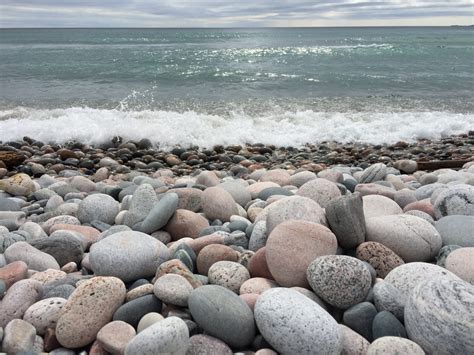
(330, 248)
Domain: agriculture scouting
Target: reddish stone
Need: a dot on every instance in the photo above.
(258, 266)
(382, 258)
(186, 223)
(423, 205)
(175, 266)
(250, 299)
(213, 253)
(198, 244)
(91, 234)
(50, 341)
(13, 272)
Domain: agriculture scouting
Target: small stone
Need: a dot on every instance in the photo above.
(18, 185)
(360, 318)
(19, 337)
(386, 324)
(207, 178)
(143, 200)
(258, 266)
(212, 254)
(228, 274)
(132, 311)
(382, 259)
(173, 289)
(148, 320)
(34, 258)
(456, 230)
(44, 314)
(407, 166)
(114, 336)
(321, 191)
(201, 344)
(237, 190)
(461, 263)
(64, 250)
(278, 176)
(257, 285)
(186, 223)
(341, 281)
(375, 172)
(169, 336)
(13, 272)
(98, 207)
(188, 198)
(394, 345)
(388, 298)
(160, 214)
(218, 204)
(456, 200)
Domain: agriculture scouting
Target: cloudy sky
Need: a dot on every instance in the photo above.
(233, 13)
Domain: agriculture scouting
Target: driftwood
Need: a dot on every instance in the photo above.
(441, 164)
(10, 158)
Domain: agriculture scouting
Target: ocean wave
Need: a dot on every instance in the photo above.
(169, 128)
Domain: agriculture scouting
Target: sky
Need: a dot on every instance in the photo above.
(234, 13)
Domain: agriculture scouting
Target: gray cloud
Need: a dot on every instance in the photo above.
(221, 13)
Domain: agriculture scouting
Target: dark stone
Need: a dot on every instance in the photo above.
(360, 318)
(63, 291)
(238, 226)
(131, 312)
(64, 250)
(271, 191)
(386, 324)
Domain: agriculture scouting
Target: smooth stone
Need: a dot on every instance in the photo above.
(340, 280)
(173, 289)
(456, 200)
(169, 336)
(293, 207)
(88, 309)
(394, 345)
(404, 197)
(44, 314)
(386, 324)
(12, 220)
(278, 176)
(461, 263)
(271, 191)
(48, 276)
(8, 204)
(132, 311)
(293, 324)
(352, 342)
(18, 185)
(258, 266)
(378, 205)
(148, 320)
(410, 237)
(114, 336)
(188, 198)
(302, 177)
(257, 285)
(61, 291)
(63, 219)
(406, 277)
(175, 266)
(222, 314)
(381, 258)
(19, 336)
(185, 224)
(13, 272)
(439, 317)
(207, 178)
(34, 230)
(346, 218)
(406, 165)
(292, 246)
(34, 258)
(213, 253)
(3, 288)
(139, 291)
(456, 230)
(64, 250)
(238, 192)
(375, 189)
(143, 200)
(259, 236)
(128, 255)
(422, 215)
(217, 203)
(257, 187)
(389, 298)
(82, 184)
(375, 172)
(201, 344)
(160, 214)
(98, 207)
(18, 298)
(321, 191)
(228, 274)
(360, 318)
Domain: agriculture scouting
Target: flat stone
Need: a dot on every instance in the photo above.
(346, 218)
(456, 200)
(406, 277)
(132, 311)
(378, 205)
(410, 237)
(19, 337)
(340, 280)
(394, 345)
(360, 318)
(456, 230)
(222, 314)
(173, 289)
(186, 223)
(160, 214)
(352, 342)
(44, 314)
(34, 258)
(169, 336)
(201, 344)
(127, 255)
(228, 274)
(439, 317)
(321, 191)
(114, 336)
(293, 324)
(292, 246)
(88, 309)
(382, 259)
(98, 207)
(218, 204)
(18, 298)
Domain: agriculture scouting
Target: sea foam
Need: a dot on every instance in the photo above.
(170, 128)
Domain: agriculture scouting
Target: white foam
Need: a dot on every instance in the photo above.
(169, 128)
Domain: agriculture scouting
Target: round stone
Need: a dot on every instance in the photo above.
(188, 198)
(201, 344)
(237, 190)
(88, 309)
(456, 200)
(34, 258)
(128, 255)
(169, 336)
(228, 274)
(378, 205)
(186, 224)
(278, 176)
(292, 246)
(439, 316)
(218, 204)
(257, 265)
(386, 324)
(293, 324)
(382, 259)
(18, 185)
(44, 314)
(461, 263)
(360, 318)
(222, 314)
(394, 345)
(173, 289)
(98, 207)
(132, 311)
(340, 280)
(213, 253)
(456, 230)
(406, 277)
(114, 336)
(302, 177)
(257, 285)
(19, 337)
(13, 272)
(149, 319)
(321, 191)
(375, 172)
(410, 237)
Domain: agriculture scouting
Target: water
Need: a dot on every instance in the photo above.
(222, 86)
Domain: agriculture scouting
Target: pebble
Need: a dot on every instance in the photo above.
(352, 342)
(114, 336)
(19, 337)
(456, 230)
(375, 172)
(98, 207)
(257, 285)
(13, 272)
(64, 250)
(293, 324)
(169, 336)
(386, 324)
(142, 202)
(213, 253)
(132, 311)
(186, 223)
(222, 314)
(238, 192)
(173, 289)
(228, 274)
(439, 317)
(321, 191)
(378, 205)
(18, 298)
(456, 200)
(188, 198)
(18, 185)
(394, 345)
(340, 280)
(201, 344)
(360, 318)
(292, 246)
(217, 203)
(88, 309)
(44, 314)
(258, 266)
(388, 298)
(381, 258)
(160, 214)
(128, 255)
(461, 263)
(34, 258)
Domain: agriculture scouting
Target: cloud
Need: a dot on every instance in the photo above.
(221, 13)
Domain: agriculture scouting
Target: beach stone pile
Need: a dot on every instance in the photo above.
(101, 257)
